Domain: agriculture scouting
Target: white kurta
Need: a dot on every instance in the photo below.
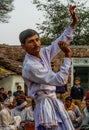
(38, 73)
(39, 77)
(6, 120)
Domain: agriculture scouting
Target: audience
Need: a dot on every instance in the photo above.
(15, 114)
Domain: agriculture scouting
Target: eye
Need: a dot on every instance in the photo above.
(37, 39)
(30, 41)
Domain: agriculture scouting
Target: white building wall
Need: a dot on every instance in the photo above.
(11, 82)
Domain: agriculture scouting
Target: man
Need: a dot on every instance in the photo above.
(1, 105)
(31, 109)
(49, 113)
(3, 96)
(16, 93)
(85, 124)
(74, 112)
(22, 111)
(7, 121)
(77, 92)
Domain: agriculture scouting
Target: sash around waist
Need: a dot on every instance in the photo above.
(44, 94)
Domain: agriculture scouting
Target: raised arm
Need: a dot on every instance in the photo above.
(66, 36)
(74, 16)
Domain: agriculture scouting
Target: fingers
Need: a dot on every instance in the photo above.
(65, 48)
(62, 44)
(71, 9)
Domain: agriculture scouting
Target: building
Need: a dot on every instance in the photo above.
(10, 68)
(11, 58)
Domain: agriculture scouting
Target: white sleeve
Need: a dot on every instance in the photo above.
(66, 36)
(38, 74)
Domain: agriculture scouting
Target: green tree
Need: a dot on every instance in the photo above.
(45, 40)
(6, 6)
(57, 17)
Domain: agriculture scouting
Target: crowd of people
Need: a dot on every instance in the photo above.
(16, 114)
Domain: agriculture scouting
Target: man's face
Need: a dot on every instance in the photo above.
(18, 88)
(68, 103)
(87, 103)
(77, 82)
(32, 45)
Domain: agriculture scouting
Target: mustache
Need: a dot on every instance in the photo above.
(35, 47)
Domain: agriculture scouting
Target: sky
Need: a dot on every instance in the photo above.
(24, 15)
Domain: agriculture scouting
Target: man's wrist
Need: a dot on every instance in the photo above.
(74, 24)
(68, 55)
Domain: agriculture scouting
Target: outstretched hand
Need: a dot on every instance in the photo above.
(74, 16)
(72, 10)
(65, 48)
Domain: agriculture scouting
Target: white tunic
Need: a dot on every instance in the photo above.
(38, 73)
(42, 82)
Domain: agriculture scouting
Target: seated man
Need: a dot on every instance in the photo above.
(3, 96)
(22, 111)
(74, 112)
(10, 95)
(7, 121)
(31, 109)
(85, 124)
(1, 105)
(16, 93)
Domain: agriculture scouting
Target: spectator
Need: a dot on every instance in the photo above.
(22, 111)
(7, 121)
(14, 103)
(21, 96)
(60, 92)
(77, 92)
(16, 93)
(31, 109)
(74, 112)
(1, 105)
(3, 96)
(85, 124)
(10, 96)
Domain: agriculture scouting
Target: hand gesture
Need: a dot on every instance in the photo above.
(65, 48)
(74, 16)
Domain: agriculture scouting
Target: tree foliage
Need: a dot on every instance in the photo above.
(57, 17)
(6, 6)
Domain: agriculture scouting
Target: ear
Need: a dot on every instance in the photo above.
(23, 46)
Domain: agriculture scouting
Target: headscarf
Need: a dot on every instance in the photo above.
(7, 102)
(21, 104)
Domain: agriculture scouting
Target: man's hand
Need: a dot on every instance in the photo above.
(74, 16)
(65, 48)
